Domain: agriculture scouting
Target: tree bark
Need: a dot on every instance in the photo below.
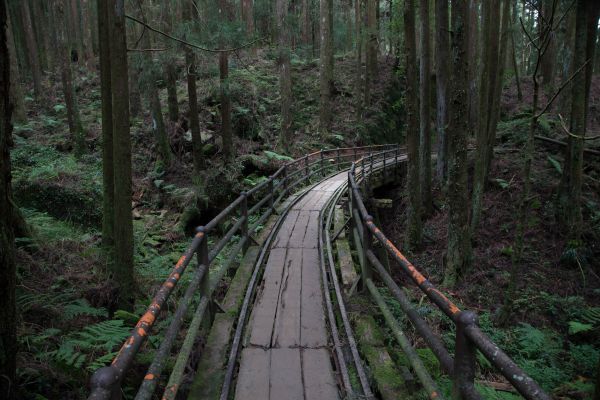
(425, 108)
(414, 228)
(8, 311)
(358, 98)
(108, 184)
(226, 133)
(442, 50)
(123, 230)
(371, 49)
(326, 65)
(32, 50)
(549, 57)
(16, 91)
(458, 255)
(285, 76)
(476, 53)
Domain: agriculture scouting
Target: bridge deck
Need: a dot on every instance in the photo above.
(286, 353)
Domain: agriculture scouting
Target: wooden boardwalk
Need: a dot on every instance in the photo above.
(286, 353)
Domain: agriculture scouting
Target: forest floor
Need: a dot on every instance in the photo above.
(67, 327)
(553, 328)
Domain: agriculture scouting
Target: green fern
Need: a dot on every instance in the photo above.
(82, 307)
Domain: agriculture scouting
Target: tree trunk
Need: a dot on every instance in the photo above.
(487, 94)
(305, 23)
(326, 65)
(425, 109)
(358, 99)
(76, 31)
(108, 184)
(476, 54)
(442, 50)
(549, 57)
(8, 311)
(514, 28)
(458, 256)
(16, 91)
(371, 49)
(569, 197)
(285, 77)
(32, 50)
(226, 133)
(248, 19)
(173, 104)
(414, 228)
(123, 231)
(73, 117)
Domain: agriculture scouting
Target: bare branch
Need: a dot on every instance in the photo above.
(568, 132)
(195, 46)
(560, 89)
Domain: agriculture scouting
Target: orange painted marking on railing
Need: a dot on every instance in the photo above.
(453, 308)
(149, 377)
(141, 332)
(180, 261)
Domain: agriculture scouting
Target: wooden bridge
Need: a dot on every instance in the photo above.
(281, 331)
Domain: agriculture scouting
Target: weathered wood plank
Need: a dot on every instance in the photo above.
(263, 315)
(311, 237)
(286, 375)
(312, 327)
(297, 235)
(286, 331)
(283, 235)
(253, 380)
(319, 383)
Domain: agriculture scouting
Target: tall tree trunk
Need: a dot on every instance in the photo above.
(549, 57)
(16, 91)
(285, 76)
(476, 54)
(569, 196)
(32, 50)
(248, 19)
(226, 133)
(151, 88)
(371, 49)
(458, 256)
(442, 50)
(108, 180)
(123, 231)
(326, 65)
(40, 32)
(173, 104)
(489, 80)
(358, 98)
(8, 311)
(414, 228)
(76, 31)
(425, 108)
(514, 28)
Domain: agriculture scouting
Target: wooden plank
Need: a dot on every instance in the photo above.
(347, 270)
(312, 327)
(286, 332)
(283, 235)
(311, 237)
(297, 234)
(339, 220)
(319, 383)
(286, 375)
(263, 315)
(253, 379)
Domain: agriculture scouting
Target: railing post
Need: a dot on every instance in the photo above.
(244, 215)
(272, 191)
(364, 174)
(105, 384)
(306, 167)
(367, 245)
(285, 179)
(205, 282)
(322, 164)
(338, 158)
(464, 359)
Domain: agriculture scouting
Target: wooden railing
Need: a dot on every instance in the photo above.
(257, 203)
(469, 337)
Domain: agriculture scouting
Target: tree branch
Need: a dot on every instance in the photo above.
(560, 89)
(568, 132)
(195, 46)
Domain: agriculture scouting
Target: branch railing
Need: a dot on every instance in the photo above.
(256, 204)
(469, 337)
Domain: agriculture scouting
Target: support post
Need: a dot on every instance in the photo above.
(244, 215)
(464, 359)
(205, 282)
(367, 244)
(272, 192)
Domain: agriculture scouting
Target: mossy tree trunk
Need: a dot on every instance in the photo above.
(458, 255)
(108, 184)
(285, 73)
(32, 50)
(569, 196)
(8, 312)
(358, 84)
(73, 117)
(414, 228)
(326, 64)
(123, 229)
(442, 49)
(371, 49)
(226, 132)
(425, 108)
